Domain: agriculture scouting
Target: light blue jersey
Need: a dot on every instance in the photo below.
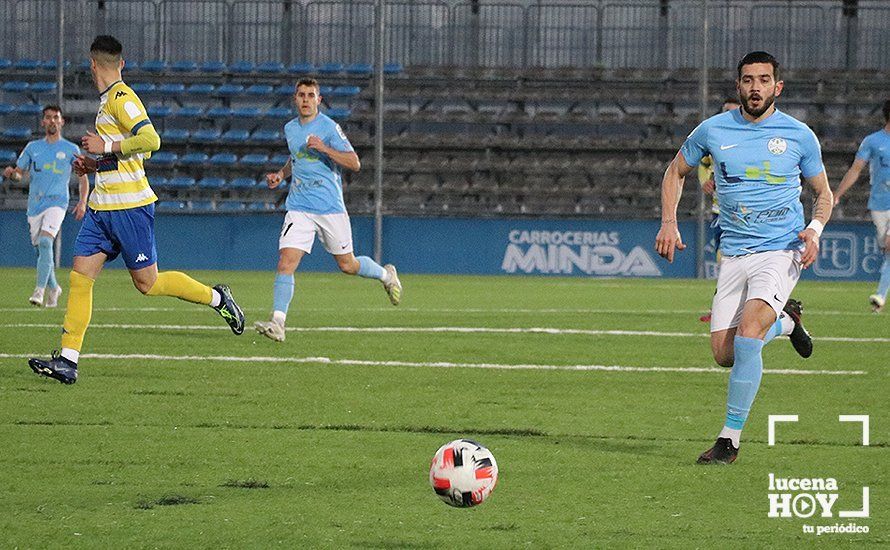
(875, 149)
(316, 184)
(49, 165)
(757, 171)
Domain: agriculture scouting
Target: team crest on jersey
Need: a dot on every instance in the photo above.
(60, 155)
(777, 146)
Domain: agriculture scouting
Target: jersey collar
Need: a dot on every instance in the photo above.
(113, 84)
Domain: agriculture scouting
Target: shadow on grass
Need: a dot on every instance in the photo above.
(168, 500)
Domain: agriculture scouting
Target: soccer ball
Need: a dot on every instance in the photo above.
(463, 473)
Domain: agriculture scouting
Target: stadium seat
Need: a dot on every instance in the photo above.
(194, 159)
(338, 113)
(163, 158)
(255, 159)
(200, 205)
(270, 67)
(243, 183)
(223, 160)
(212, 183)
(247, 112)
(175, 135)
(260, 206)
(219, 112)
(302, 68)
(52, 65)
(15, 86)
(184, 66)
(346, 91)
(171, 205)
(181, 182)
(325, 90)
(362, 69)
(235, 136)
(213, 67)
(17, 133)
(171, 88)
(189, 111)
(229, 89)
(200, 89)
(266, 136)
(43, 87)
(279, 159)
(159, 111)
(241, 67)
(259, 89)
(284, 89)
(393, 67)
(143, 87)
(279, 112)
(5, 64)
(157, 181)
(6, 108)
(128, 65)
(331, 68)
(154, 66)
(7, 156)
(29, 109)
(230, 206)
(27, 64)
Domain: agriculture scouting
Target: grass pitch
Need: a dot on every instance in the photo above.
(179, 434)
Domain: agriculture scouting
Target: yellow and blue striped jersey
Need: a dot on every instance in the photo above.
(120, 178)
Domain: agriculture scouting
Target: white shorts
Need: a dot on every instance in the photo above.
(333, 230)
(50, 220)
(768, 276)
(882, 224)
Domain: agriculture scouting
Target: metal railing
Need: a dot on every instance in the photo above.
(602, 33)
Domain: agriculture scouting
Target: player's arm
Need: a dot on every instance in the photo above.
(83, 190)
(850, 178)
(346, 159)
(131, 115)
(822, 206)
(274, 179)
(13, 173)
(668, 238)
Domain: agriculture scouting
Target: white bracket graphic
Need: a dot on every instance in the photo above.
(773, 418)
(863, 513)
(863, 418)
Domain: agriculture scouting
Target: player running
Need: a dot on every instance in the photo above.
(48, 164)
(318, 151)
(760, 155)
(875, 150)
(120, 217)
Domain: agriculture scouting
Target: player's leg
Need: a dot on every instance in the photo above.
(50, 224)
(335, 232)
(726, 308)
(882, 223)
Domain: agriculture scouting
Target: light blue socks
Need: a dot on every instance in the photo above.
(45, 266)
(884, 283)
(782, 327)
(744, 380)
(282, 292)
(369, 269)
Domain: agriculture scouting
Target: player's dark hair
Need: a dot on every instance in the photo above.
(307, 82)
(760, 57)
(51, 107)
(887, 111)
(107, 44)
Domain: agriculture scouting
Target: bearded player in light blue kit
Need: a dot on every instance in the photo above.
(759, 156)
(318, 151)
(875, 151)
(48, 163)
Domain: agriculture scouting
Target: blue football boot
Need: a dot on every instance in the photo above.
(58, 368)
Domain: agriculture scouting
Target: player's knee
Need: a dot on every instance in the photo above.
(142, 286)
(724, 359)
(350, 267)
(752, 329)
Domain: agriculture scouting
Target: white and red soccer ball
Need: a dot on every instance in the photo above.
(463, 473)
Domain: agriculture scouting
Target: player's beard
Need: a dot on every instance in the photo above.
(766, 103)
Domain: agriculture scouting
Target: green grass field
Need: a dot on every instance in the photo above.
(179, 434)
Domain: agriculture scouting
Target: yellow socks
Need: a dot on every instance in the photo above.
(180, 285)
(79, 311)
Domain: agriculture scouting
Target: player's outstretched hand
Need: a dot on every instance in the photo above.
(668, 240)
(84, 165)
(80, 210)
(273, 179)
(811, 247)
(92, 143)
(315, 142)
(8, 172)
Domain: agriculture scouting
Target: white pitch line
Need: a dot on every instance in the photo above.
(435, 364)
(443, 330)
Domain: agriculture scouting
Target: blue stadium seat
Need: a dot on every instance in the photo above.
(259, 89)
(189, 111)
(52, 64)
(338, 113)
(284, 89)
(266, 136)
(175, 135)
(184, 66)
(247, 112)
(29, 109)
(393, 67)
(230, 89)
(325, 90)
(213, 67)
(5, 63)
(201, 89)
(279, 112)
(235, 136)
(241, 67)
(171, 205)
(128, 65)
(279, 159)
(302, 68)
(260, 206)
(163, 158)
(255, 159)
(362, 69)
(16, 132)
(15, 86)
(212, 183)
(7, 156)
(171, 88)
(243, 183)
(194, 159)
(27, 64)
(223, 160)
(6, 108)
(331, 68)
(346, 91)
(200, 205)
(270, 67)
(158, 181)
(230, 206)
(159, 111)
(143, 87)
(181, 182)
(219, 112)
(43, 87)
(154, 66)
